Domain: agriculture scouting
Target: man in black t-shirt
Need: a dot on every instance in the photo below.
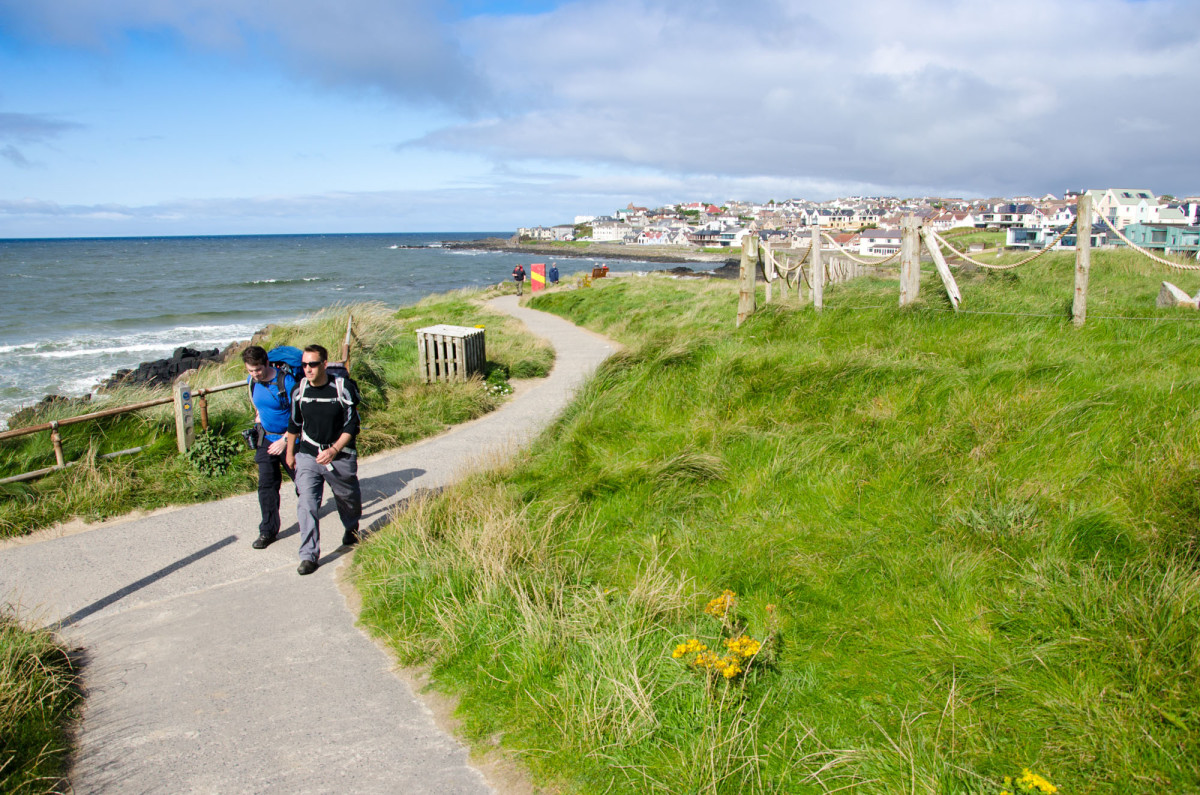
(322, 427)
(519, 276)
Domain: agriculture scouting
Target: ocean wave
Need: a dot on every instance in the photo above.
(301, 280)
(156, 343)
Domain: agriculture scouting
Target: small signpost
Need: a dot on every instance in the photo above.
(185, 432)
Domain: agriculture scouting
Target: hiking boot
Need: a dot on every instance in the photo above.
(306, 567)
(262, 542)
(350, 538)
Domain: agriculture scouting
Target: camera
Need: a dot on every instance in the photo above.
(251, 435)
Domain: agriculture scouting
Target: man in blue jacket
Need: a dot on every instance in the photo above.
(271, 395)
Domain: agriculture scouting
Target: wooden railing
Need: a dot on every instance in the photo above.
(200, 396)
(56, 437)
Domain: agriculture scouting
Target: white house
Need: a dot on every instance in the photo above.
(1123, 206)
(879, 242)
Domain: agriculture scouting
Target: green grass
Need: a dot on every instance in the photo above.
(569, 244)
(37, 696)
(398, 408)
(961, 237)
(971, 540)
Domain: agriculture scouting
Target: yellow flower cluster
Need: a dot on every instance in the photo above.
(745, 645)
(720, 606)
(1030, 782)
(690, 647)
(727, 667)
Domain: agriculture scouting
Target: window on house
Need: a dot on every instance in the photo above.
(1158, 236)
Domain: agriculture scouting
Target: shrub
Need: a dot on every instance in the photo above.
(213, 455)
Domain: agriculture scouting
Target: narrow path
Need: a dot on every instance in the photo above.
(213, 667)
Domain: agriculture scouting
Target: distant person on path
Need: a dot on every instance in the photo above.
(553, 273)
(321, 431)
(271, 396)
(519, 276)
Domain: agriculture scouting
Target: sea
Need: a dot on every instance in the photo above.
(74, 311)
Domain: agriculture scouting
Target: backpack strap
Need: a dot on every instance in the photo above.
(284, 398)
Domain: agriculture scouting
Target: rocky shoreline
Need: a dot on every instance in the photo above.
(612, 251)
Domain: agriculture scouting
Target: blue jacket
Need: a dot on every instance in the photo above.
(272, 412)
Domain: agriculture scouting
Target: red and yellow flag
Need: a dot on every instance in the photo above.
(537, 276)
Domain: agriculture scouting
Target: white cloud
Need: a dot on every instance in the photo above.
(1023, 95)
(396, 46)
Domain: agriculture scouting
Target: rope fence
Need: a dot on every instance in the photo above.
(775, 265)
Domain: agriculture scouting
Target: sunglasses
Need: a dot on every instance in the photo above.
(311, 364)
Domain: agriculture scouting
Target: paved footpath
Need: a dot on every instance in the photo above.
(214, 667)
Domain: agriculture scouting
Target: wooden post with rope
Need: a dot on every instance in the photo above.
(768, 263)
(910, 261)
(747, 277)
(1083, 257)
(943, 269)
(818, 268)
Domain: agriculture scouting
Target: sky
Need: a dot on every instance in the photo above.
(183, 117)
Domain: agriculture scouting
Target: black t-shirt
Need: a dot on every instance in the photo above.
(319, 416)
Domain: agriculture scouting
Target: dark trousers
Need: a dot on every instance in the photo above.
(270, 478)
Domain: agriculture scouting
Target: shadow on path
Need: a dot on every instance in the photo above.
(149, 579)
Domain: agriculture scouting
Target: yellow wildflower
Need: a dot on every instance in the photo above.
(691, 646)
(1032, 782)
(744, 645)
(720, 606)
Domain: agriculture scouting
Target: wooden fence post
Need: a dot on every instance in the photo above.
(747, 301)
(768, 263)
(910, 261)
(346, 342)
(1083, 258)
(943, 269)
(185, 431)
(818, 269)
(56, 440)
(202, 404)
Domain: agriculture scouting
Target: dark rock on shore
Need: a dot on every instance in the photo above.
(731, 269)
(161, 372)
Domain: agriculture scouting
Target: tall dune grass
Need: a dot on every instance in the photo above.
(971, 538)
(37, 694)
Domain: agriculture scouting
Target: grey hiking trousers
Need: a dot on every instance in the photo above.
(311, 478)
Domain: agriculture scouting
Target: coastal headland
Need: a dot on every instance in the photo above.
(589, 250)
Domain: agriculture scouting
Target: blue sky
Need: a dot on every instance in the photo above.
(164, 117)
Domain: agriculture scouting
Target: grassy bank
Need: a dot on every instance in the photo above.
(967, 544)
(37, 696)
(398, 408)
